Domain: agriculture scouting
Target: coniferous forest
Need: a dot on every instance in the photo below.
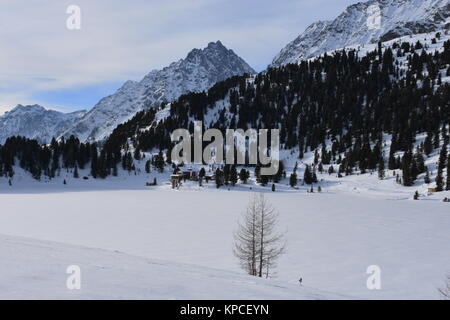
(341, 106)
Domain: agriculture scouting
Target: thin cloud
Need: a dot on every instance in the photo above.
(121, 40)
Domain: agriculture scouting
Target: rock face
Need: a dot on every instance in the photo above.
(36, 122)
(200, 70)
(367, 22)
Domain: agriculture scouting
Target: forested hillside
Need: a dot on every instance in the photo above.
(345, 107)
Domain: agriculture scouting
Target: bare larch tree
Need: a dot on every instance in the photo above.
(257, 244)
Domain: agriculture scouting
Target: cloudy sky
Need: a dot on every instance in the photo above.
(42, 61)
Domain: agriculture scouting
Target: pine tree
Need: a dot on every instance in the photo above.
(448, 174)
(159, 162)
(219, 178)
(129, 162)
(408, 179)
(428, 145)
(202, 173)
(264, 180)
(307, 176)
(258, 173)
(381, 173)
(137, 154)
(94, 164)
(427, 179)
(414, 170)
(147, 166)
(243, 175)
(330, 170)
(295, 168)
(392, 161)
(441, 167)
(226, 174)
(75, 172)
(439, 182)
(233, 175)
(316, 157)
(442, 158)
(273, 187)
(314, 177)
(11, 172)
(293, 180)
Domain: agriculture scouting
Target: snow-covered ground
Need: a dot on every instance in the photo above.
(33, 269)
(332, 238)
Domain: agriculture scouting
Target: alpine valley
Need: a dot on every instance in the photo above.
(362, 105)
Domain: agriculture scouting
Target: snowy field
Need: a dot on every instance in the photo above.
(332, 238)
(34, 269)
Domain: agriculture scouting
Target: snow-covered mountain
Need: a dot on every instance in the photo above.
(36, 122)
(200, 70)
(367, 22)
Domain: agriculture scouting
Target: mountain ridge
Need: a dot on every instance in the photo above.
(367, 22)
(200, 70)
(36, 122)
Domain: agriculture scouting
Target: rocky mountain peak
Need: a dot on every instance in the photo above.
(367, 22)
(199, 71)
